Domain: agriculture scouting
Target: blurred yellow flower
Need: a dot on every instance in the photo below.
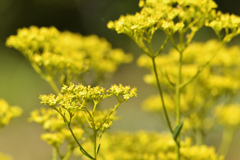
(8, 112)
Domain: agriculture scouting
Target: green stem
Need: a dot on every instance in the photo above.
(162, 46)
(54, 153)
(107, 117)
(59, 154)
(80, 146)
(178, 150)
(161, 95)
(181, 40)
(89, 123)
(199, 137)
(153, 56)
(94, 134)
(95, 143)
(46, 78)
(178, 89)
(168, 79)
(68, 153)
(226, 141)
(95, 105)
(201, 68)
(179, 77)
(52, 84)
(76, 140)
(178, 111)
(174, 44)
(85, 129)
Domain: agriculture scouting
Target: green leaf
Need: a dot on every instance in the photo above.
(98, 148)
(177, 130)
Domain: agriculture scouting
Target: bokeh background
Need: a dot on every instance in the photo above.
(21, 86)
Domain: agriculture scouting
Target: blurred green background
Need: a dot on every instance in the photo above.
(20, 85)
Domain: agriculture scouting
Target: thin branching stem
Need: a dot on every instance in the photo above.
(178, 89)
(46, 78)
(178, 111)
(161, 95)
(68, 153)
(75, 138)
(162, 46)
(54, 153)
(80, 146)
(201, 68)
(180, 49)
(94, 133)
(227, 138)
(108, 116)
(152, 56)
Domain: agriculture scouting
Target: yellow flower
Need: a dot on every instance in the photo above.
(228, 115)
(66, 55)
(8, 112)
(227, 22)
(54, 139)
(151, 146)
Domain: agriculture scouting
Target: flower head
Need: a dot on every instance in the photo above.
(228, 115)
(66, 55)
(8, 112)
(229, 23)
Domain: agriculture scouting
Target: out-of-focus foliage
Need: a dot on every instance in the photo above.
(228, 115)
(66, 56)
(198, 100)
(56, 130)
(150, 146)
(7, 113)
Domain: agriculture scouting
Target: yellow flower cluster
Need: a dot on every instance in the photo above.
(190, 84)
(152, 103)
(5, 157)
(8, 112)
(228, 115)
(102, 120)
(70, 109)
(161, 14)
(171, 16)
(219, 77)
(150, 146)
(53, 124)
(66, 55)
(74, 98)
(225, 22)
(123, 93)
